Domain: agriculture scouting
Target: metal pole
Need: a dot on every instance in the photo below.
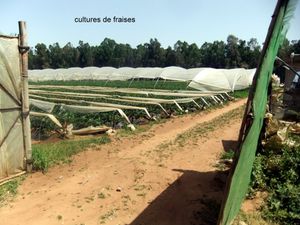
(288, 66)
(23, 48)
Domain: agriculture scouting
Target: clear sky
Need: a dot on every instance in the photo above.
(194, 21)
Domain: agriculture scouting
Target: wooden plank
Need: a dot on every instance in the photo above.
(25, 98)
(8, 179)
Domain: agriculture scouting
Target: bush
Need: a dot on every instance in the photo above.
(278, 173)
(45, 155)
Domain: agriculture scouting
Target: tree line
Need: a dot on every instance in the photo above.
(233, 53)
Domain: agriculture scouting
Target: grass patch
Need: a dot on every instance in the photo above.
(227, 155)
(226, 158)
(45, 155)
(101, 195)
(147, 84)
(9, 190)
(240, 93)
(277, 171)
(203, 129)
(143, 194)
(108, 215)
(126, 132)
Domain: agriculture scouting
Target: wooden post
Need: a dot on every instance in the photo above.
(23, 47)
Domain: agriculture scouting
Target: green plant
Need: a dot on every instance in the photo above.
(240, 93)
(10, 189)
(278, 173)
(101, 195)
(108, 215)
(146, 84)
(227, 154)
(44, 155)
(203, 129)
(143, 194)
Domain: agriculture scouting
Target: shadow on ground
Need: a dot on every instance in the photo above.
(193, 199)
(229, 145)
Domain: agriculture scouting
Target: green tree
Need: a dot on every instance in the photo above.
(140, 56)
(254, 53)
(155, 55)
(70, 56)
(295, 46)
(85, 55)
(192, 56)
(170, 57)
(105, 52)
(56, 56)
(31, 60)
(285, 49)
(213, 54)
(232, 53)
(42, 60)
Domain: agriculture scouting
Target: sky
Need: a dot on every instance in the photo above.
(193, 21)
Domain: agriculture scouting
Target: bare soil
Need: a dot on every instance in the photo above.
(254, 204)
(144, 179)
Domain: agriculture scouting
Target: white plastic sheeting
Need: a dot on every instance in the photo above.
(203, 79)
(173, 73)
(149, 72)
(109, 90)
(50, 116)
(74, 73)
(11, 133)
(110, 73)
(44, 105)
(222, 79)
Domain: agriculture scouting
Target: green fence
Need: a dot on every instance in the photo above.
(240, 174)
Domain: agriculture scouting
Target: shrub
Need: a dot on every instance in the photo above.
(278, 173)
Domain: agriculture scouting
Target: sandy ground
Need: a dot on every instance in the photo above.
(136, 180)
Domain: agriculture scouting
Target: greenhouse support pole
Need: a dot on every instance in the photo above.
(156, 82)
(23, 48)
(132, 79)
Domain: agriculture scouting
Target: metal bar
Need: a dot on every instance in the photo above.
(213, 97)
(288, 66)
(222, 97)
(196, 104)
(178, 106)
(218, 99)
(205, 102)
(227, 95)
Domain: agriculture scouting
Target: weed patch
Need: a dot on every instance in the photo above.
(9, 190)
(45, 155)
(278, 173)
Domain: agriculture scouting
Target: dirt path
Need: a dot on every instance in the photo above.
(152, 178)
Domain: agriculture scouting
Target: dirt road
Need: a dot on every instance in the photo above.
(164, 176)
